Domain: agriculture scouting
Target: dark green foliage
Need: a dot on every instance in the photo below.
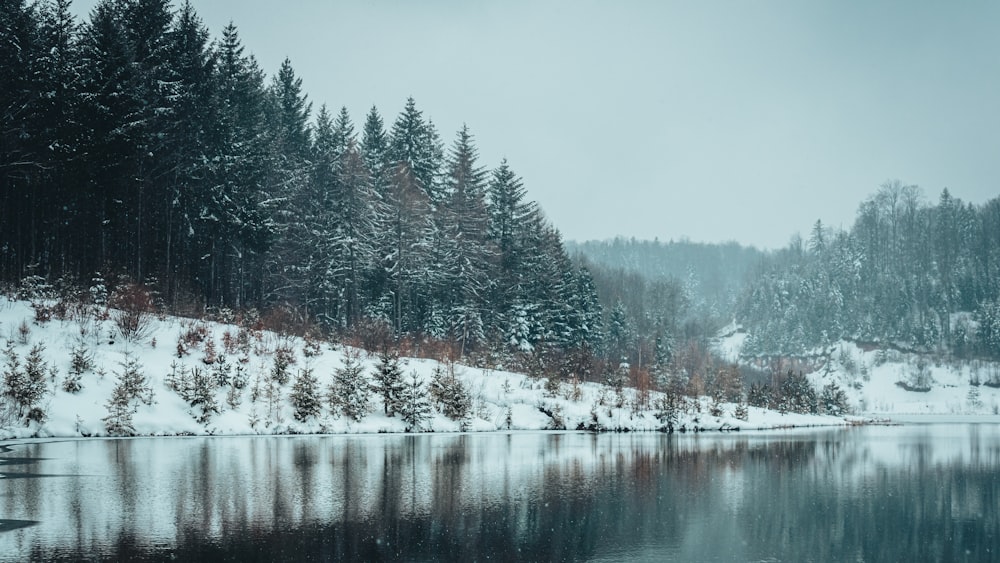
(833, 400)
(449, 393)
(797, 395)
(759, 395)
(349, 391)
(988, 331)
(201, 394)
(741, 412)
(24, 385)
(131, 389)
(305, 396)
(899, 274)
(414, 408)
(283, 358)
(389, 382)
(81, 359)
(135, 143)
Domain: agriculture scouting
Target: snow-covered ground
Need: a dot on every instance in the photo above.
(500, 400)
(876, 382)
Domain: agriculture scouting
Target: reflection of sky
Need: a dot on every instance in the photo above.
(691, 496)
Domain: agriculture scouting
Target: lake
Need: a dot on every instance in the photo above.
(876, 493)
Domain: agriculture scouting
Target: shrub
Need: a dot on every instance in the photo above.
(133, 305)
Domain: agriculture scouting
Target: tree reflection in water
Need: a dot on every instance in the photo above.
(904, 493)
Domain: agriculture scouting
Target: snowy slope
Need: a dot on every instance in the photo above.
(497, 395)
(872, 380)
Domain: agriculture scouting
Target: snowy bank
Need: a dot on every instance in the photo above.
(244, 399)
(885, 382)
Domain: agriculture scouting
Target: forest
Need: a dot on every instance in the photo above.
(919, 275)
(138, 150)
(142, 156)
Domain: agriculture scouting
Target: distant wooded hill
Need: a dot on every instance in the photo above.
(909, 272)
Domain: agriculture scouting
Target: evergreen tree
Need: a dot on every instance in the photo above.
(467, 252)
(201, 394)
(131, 388)
(414, 409)
(389, 382)
(375, 152)
(24, 386)
(833, 400)
(305, 396)
(450, 394)
(415, 153)
(349, 390)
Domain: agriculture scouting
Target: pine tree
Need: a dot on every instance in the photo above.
(305, 396)
(414, 408)
(833, 400)
(349, 390)
(24, 386)
(292, 113)
(202, 394)
(283, 358)
(131, 389)
(468, 252)
(415, 153)
(375, 151)
(389, 382)
(450, 394)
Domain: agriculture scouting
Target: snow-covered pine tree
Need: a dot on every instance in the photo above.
(349, 390)
(833, 400)
(24, 386)
(305, 396)
(449, 393)
(283, 358)
(131, 388)
(510, 220)
(374, 152)
(415, 152)
(290, 259)
(202, 394)
(414, 408)
(465, 265)
(389, 381)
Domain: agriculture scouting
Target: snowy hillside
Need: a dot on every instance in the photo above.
(236, 370)
(887, 382)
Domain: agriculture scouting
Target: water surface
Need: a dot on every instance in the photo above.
(913, 493)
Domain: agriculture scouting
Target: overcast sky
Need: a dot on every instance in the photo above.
(714, 121)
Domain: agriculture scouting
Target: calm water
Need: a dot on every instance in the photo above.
(865, 494)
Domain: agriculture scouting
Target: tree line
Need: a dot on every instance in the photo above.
(135, 146)
(909, 272)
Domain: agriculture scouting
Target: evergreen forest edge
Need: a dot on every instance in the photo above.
(138, 154)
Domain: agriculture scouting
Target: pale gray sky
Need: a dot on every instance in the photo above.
(712, 120)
